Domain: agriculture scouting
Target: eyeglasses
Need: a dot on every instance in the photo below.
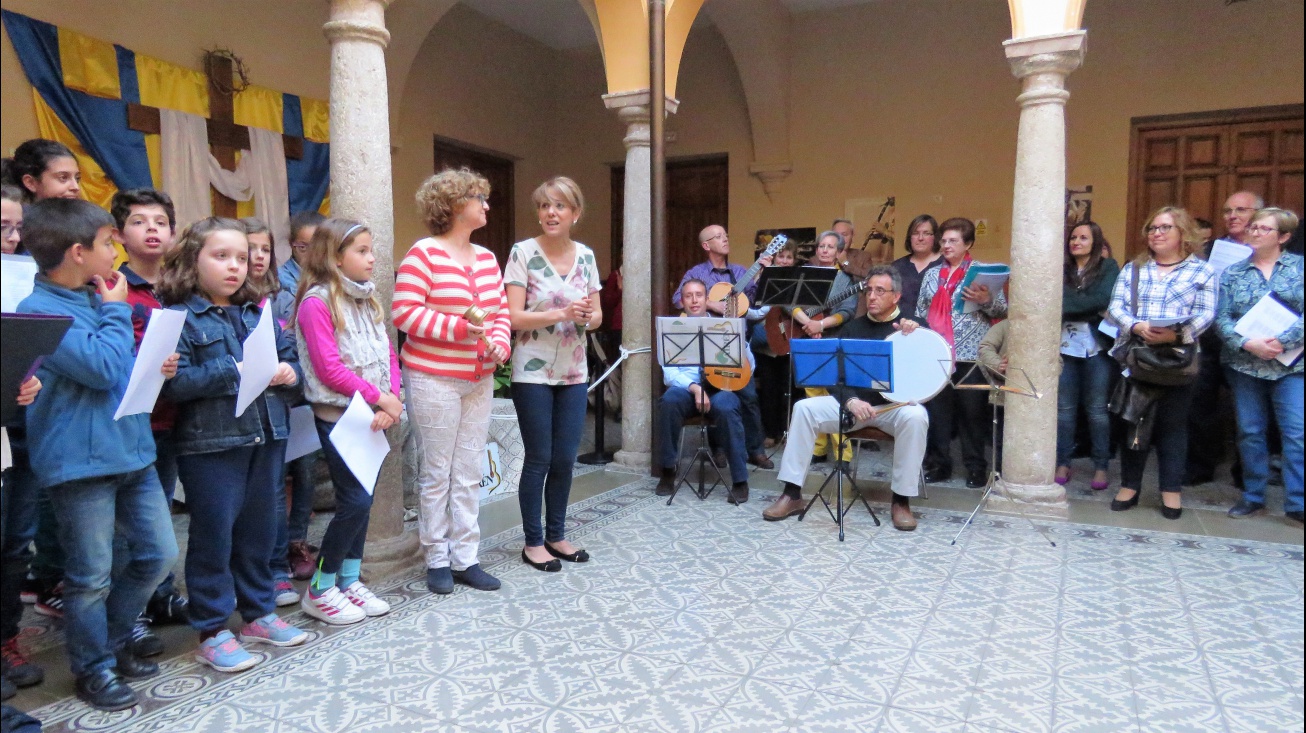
(1160, 228)
(880, 291)
(9, 230)
(714, 236)
(1240, 211)
(1260, 229)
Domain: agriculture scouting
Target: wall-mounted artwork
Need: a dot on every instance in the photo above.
(1079, 206)
(874, 226)
(804, 236)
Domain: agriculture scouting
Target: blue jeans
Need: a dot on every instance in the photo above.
(231, 495)
(101, 605)
(552, 419)
(1086, 383)
(750, 410)
(18, 524)
(1169, 437)
(1255, 401)
(678, 404)
(347, 532)
(292, 522)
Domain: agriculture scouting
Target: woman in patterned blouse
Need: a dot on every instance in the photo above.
(964, 332)
(553, 284)
(1262, 383)
(1172, 284)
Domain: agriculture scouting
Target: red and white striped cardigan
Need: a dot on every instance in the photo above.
(432, 293)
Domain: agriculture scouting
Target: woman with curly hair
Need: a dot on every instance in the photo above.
(449, 299)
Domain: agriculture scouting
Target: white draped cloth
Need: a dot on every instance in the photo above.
(189, 169)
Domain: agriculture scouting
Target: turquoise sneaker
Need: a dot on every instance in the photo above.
(272, 630)
(225, 654)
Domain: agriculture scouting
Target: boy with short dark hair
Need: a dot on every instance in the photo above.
(146, 223)
(98, 472)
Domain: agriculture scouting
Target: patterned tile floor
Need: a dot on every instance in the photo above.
(702, 617)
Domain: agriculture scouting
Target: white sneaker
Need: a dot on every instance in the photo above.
(332, 607)
(286, 595)
(362, 597)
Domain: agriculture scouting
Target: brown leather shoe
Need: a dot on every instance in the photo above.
(903, 519)
(739, 493)
(300, 558)
(666, 484)
(761, 461)
(782, 508)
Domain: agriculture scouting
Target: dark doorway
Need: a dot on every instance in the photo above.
(1197, 160)
(698, 194)
(499, 232)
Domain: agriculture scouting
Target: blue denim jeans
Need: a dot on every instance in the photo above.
(1257, 401)
(552, 419)
(347, 532)
(101, 605)
(1085, 383)
(231, 495)
(678, 405)
(292, 522)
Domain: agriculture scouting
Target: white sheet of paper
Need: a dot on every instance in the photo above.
(359, 446)
(303, 433)
(158, 343)
(17, 278)
(1167, 322)
(260, 363)
(6, 455)
(1267, 319)
(1225, 252)
(1108, 328)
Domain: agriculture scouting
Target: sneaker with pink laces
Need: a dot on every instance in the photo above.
(332, 607)
(363, 597)
(272, 630)
(225, 654)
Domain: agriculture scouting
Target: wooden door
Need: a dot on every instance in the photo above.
(1197, 160)
(498, 234)
(698, 194)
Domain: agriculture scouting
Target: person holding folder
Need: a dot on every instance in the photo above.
(1263, 385)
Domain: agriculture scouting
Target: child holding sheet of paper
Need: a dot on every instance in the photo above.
(229, 460)
(340, 327)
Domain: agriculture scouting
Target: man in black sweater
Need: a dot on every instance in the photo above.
(908, 424)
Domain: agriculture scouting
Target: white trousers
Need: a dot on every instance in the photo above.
(452, 417)
(908, 425)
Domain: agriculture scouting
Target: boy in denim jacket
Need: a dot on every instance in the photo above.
(99, 473)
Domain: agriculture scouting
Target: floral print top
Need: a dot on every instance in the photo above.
(1242, 286)
(554, 354)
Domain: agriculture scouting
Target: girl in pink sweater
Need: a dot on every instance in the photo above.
(344, 349)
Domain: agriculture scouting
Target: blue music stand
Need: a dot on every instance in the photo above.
(860, 363)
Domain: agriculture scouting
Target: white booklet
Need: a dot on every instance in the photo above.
(1267, 319)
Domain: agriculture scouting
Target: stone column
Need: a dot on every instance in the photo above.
(360, 189)
(1037, 230)
(636, 402)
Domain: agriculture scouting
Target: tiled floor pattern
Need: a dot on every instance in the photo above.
(701, 617)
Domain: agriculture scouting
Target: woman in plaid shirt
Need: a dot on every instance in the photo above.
(1172, 283)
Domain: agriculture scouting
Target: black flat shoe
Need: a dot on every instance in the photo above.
(1171, 513)
(977, 479)
(105, 690)
(937, 475)
(577, 556)
(548, 566)
(1124, 506)
(132, 667)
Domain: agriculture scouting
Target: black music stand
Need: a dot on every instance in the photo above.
(863, 363)
(688, 342)
(789, 288)
(997, 383)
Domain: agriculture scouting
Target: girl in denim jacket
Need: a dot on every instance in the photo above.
(228, 465)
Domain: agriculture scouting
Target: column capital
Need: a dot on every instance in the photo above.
(1059, 53)
(636, 98)
(771, 175)
(362, 20)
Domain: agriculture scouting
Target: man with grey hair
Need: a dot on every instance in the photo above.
(909, 424)
(1208, 428)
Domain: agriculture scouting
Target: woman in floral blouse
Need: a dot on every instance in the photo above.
(552, 285)
(1262, 384)
(964, 332)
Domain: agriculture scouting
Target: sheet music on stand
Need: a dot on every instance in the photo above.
(795, 287)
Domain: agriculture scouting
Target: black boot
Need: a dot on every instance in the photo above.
(105, 690)
(667, 484)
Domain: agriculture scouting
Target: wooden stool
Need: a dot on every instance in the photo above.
(868, 433)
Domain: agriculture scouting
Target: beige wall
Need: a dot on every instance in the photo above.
(281, 42)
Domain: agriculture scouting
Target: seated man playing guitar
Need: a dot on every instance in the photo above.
(686, 396)
(907, 423)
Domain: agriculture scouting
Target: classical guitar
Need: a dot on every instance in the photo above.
(731, 379)
(780, 328)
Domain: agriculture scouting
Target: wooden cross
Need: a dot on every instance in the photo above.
(225, 136)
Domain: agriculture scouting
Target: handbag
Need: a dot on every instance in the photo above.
(1163, 365)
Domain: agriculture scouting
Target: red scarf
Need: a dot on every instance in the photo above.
(940, 315)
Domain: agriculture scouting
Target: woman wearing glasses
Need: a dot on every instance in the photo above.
(1263, 385)
(1176, 288)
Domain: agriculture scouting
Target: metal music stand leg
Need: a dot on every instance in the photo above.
(839, 474)
(994, 477)
(702, 457)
